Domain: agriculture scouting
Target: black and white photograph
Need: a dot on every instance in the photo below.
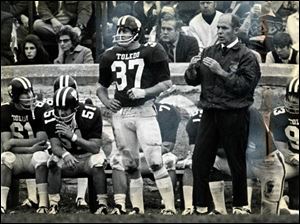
(149, 112)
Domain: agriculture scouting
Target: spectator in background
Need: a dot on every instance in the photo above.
(292, 26)
(179, 47)
(20, 12)
(261, 25)
(7, 56)
(55, 14)
(204, 25)
(70, 51)
(147, 12)
(283, 52)
(186, 10)
(32, 51)
(156, 30)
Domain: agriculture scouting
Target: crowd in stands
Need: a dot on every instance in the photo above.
(37, 32)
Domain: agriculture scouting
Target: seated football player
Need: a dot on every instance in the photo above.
(262, 163)
(75, 132)
(23, 142)
(82, 183)
(168, 118)
(284, 124)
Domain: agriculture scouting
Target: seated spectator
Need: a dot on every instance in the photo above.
(204, 25)
(7, 56)
(261, 25)
(283, 9)
(147, 12)
(70, 51)
(32, 51)
(20, 12)
(154, 35)
(186, 10)
(55, 14)
(283, 52)
(292, 26)
(179, 47)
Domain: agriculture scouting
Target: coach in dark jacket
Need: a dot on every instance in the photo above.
(179, 47)
(228, 73)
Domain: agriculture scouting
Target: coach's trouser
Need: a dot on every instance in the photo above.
(230, 128)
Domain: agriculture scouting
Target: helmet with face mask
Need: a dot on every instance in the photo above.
(291, 101)
(133, 25)
(64, 81)
(65, 98)
(19, 86)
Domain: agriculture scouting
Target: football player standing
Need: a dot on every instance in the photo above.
(140, 72)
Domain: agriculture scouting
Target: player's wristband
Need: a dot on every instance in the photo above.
(65, 154)
(74, 138)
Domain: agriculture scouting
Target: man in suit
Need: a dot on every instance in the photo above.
(179, 47)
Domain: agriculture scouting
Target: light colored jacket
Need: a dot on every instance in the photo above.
(80, 55)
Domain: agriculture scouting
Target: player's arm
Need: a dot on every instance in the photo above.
(37, 146)
(112, 104)
(136, 93)
(92, 145)
(16, 142)
(290, 157)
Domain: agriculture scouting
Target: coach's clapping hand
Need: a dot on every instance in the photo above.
(191, 71)
(213, 65)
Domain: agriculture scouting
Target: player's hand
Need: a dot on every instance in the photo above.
(213, 65)
(66, 131)
(136, 93)
(39, 146)
(8, 144)
(113, 105)
(294, 160)
(70, 161)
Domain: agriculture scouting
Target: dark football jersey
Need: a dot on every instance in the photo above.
(89, 122)
(285, 128)
(168, 119)
(140, 68)
(22, 124)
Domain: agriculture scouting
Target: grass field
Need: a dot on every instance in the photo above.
(69, 214)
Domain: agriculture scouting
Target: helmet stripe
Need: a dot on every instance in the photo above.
(124, 20)
(294, 85)
(67, 78)
(24, 84)
(27, 81)
(61, 81)
(64, 96)
(57, 96)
